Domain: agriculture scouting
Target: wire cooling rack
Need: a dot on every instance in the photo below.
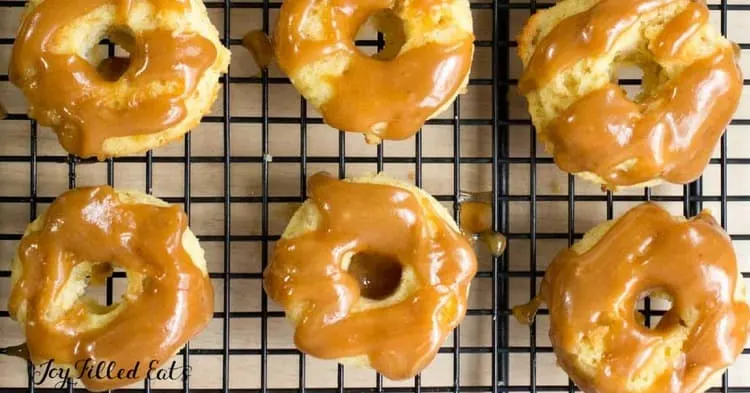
(244, 170)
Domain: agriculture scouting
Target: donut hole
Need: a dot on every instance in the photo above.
(394, 34)
(93, 293)
(658, 302)
(378, 275)
(113, 67)
(638, 75)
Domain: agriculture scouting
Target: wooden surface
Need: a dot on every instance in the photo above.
(206, 190)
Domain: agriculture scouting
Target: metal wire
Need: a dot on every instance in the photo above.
(501, 45)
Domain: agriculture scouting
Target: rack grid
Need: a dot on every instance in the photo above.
(25, 204)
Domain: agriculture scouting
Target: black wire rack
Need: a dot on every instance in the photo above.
(23, 204)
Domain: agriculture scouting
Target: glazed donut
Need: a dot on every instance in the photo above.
(117, 106)
(691, 87)
(591, 291)
(83, 234)
(372, 272)
(423, 67)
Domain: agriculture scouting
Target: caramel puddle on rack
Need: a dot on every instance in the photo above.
(476, 219)
(259, 45)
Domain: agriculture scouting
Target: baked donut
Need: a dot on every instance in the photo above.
(372, 272)
(591, 291)
(424, 65)
(691, 87)
(83, 234)
(119, 105)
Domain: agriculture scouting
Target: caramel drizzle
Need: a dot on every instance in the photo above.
(647, 250)
(67, 93)
(586, 34)
(391, 98)
(306, 275)
(669, 135)
(679, 30)
(175, 301)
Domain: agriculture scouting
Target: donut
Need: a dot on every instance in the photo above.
(691, 87)
(425, 63)
(592, 288)
(118, 105)
(372, 272)
(77, 242)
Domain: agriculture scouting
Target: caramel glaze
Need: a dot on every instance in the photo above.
(586, 34)
(306, 276)
(174, 303)
(669, 135)
(67, 92)
(403, 92)
(679, 30)
(647, 250)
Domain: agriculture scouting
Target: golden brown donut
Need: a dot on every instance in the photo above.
(591, 291)
(83, 234)
(373, 272)
(691, 87)
(424, 65)
(117, 106)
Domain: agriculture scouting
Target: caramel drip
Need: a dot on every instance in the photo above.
(259, 46)
(393, 98)
(175, 301)
(670, 135)
(647, 250)
(476, 217)
(84, 107)
(586, 34)
(679, 30)
(525, 313)
(306, 276)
